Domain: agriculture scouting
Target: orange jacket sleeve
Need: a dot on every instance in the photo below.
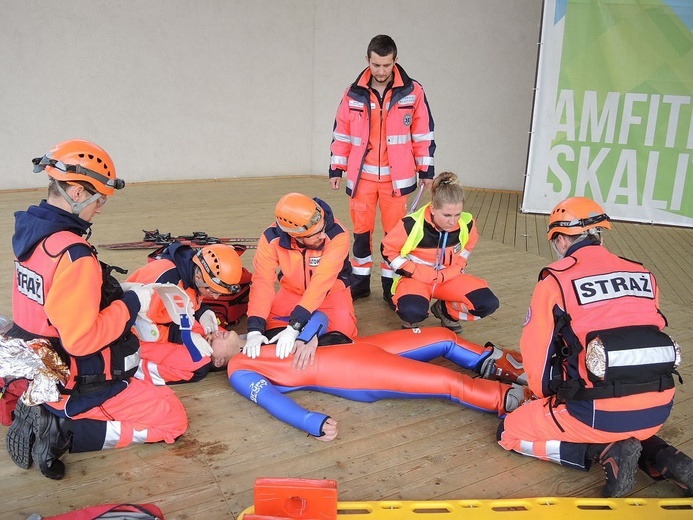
(340, 147)
(72, 306)
(536, 342)
(391, 248)
(423, 143)
(265, 264)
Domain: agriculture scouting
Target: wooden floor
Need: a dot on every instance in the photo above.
(390, 450)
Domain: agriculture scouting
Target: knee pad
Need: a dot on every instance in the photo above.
(412, 308)
(650, 448)
(483, 301)
(387, 284)
(362, 244)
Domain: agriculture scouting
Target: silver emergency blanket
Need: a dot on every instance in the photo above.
(36, 361)
(595, 357)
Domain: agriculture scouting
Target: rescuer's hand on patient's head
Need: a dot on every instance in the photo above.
(209, 321)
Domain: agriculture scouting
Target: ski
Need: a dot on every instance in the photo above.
(154, 239)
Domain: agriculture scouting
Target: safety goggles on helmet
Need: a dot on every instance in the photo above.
(96, 197)
(312, 222)
(40, 164)
(583, 223)
(318, 232)
(231, 288)
(298, 215)
(575, 216)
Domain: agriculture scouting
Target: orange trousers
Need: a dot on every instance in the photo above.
(141, 413)
(362, 207)
(532, 430)
(337, 305)
(466, 298)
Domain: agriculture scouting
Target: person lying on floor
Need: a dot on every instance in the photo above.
(389, 365)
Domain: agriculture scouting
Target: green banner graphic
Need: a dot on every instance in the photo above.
(614, 120)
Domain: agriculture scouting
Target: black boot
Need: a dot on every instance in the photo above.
(660, 460)
(360, 286)
(20, 435)
(620, 463)
(387, 291)
(53, 438)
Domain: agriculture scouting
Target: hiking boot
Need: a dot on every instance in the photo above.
(20, 435)
(387, 298)
(503, 364)
(516, 396)
(360, 292)
(620, 463)
(660, 460)
(407, 325)
(52, 440)
(439, 311)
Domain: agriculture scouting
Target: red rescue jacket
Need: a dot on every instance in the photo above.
(388, 142)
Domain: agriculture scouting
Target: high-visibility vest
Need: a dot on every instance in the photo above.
(417, 233)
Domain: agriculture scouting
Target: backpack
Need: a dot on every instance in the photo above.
(230, 308)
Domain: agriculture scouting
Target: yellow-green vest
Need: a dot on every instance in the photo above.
(417, 233)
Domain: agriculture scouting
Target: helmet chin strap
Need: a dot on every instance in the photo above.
(555, 249)
(77, 207)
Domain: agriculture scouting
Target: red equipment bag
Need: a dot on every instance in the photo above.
(229, 308)
(10, 392)
(119, 511)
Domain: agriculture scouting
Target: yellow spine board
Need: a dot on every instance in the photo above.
(548, 508)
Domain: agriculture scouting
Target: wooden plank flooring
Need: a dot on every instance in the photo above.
(390, 450)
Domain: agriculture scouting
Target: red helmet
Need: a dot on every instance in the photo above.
(80, 160)
(221, 267)
(299, 215)
(574, 216)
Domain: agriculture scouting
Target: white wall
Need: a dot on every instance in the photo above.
(174, 89)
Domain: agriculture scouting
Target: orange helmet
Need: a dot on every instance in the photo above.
(221, 267)
(80, 160)
(299, 215)
(576, 215)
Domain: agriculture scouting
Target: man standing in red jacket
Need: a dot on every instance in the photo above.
(383, 139)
